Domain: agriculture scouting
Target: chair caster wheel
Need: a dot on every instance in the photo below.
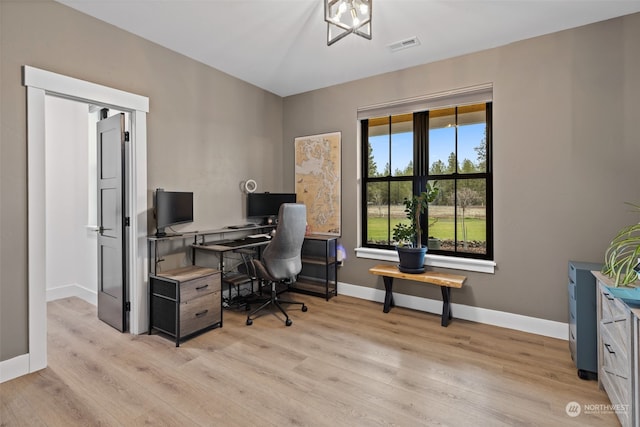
(249, 322)
(304, 308)
(288, 322)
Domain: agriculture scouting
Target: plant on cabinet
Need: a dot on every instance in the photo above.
(623, 254)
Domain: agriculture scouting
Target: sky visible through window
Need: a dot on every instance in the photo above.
(441, 146)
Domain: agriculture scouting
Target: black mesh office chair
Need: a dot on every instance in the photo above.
(281, 258)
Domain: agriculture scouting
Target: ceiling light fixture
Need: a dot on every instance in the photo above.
(345, 17)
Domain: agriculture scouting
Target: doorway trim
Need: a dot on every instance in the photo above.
(40, 83)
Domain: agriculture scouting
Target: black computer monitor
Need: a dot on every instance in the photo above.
(265, 205)
(171, 208)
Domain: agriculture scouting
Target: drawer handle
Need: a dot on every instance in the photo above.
(201, 313)
(202, 287)
(609, 349)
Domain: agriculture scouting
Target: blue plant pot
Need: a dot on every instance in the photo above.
(411, 259)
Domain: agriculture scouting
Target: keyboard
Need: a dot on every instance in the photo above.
(250, 225)
(218, 243)
(247, 241)
(258, 236)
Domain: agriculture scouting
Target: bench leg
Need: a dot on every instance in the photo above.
(446, 305)
(388, 296)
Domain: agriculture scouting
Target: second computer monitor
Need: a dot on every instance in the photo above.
(267, 205)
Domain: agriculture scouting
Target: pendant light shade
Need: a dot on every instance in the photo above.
(344, 17)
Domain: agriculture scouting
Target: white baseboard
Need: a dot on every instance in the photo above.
(14, 368)
(20, 365)
(503, 319)
(73, 290)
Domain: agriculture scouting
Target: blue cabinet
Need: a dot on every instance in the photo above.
(583, 323)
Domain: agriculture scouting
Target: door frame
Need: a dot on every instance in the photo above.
(40, 83)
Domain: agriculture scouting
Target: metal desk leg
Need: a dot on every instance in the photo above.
(388, 296)
(446, 305)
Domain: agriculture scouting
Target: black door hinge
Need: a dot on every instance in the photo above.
(127, 221)
(127, 306)
(126, 136)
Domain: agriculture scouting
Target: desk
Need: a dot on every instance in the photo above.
(231, 245)
(222, 247)
(227, 246)
(444, 280)
(195, 236)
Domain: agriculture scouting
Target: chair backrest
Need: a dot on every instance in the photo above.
(282, 256)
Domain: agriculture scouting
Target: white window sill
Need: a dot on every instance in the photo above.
(455, 263)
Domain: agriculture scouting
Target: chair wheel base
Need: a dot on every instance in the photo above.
(249, 322)
(288, 322)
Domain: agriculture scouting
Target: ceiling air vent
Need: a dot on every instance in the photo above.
(404, 44)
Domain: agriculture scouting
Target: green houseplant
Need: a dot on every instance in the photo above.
(623, 254)
(409, 235)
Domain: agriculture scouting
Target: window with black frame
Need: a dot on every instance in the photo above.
(449, 147)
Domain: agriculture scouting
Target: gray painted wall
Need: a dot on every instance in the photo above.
(565, 125)
(207, 131)
(566, 150)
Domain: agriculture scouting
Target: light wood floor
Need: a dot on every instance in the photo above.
(342, 363)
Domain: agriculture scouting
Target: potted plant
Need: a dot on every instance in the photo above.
(409, 236)
(623, 254)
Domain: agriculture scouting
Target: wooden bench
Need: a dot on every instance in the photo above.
(444, 280)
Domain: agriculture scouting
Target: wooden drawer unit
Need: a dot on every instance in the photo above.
(617, 353)
(185, 301)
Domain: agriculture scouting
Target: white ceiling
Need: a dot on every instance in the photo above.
(281, 45)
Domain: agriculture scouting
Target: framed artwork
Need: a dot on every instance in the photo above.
(318, 181)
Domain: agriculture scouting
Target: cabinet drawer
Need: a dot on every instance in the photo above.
(611, 308)
(572, 310)
(572, 290)
(572, 332)
(620, 333)
(198, 287)
(572, 345)
(615, 359)
(200, 313)
(618, 390)
(572, 272)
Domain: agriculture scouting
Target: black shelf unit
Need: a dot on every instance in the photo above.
(319, 275)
